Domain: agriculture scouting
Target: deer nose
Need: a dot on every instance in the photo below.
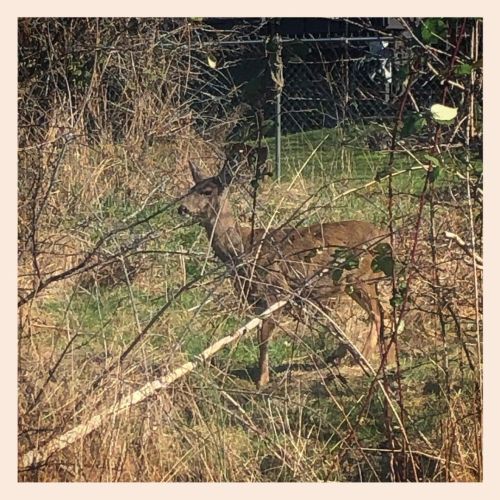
(183, 210)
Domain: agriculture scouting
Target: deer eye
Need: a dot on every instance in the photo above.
(206, 192)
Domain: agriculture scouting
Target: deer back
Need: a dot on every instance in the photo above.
(310, 260)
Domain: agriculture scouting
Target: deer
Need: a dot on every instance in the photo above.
(269, 264)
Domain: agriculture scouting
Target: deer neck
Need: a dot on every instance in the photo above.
(225, 235)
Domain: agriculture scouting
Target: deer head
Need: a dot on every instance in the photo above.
(207, 199)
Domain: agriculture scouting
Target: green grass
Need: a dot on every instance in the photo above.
(340, 153)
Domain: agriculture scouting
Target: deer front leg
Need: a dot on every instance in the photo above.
(264, 336)
(366, 297)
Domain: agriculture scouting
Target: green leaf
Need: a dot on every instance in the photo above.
(383, 263)
(464, 69)
(383, 249)
(426, 34)
(383, 260)
(413, 124)
(443, 114)
(436, 165)
(399, 294)
(420, 124)
(344, 259)
(432, 29)
(352, 263)
(434, 161)
(396, 300)
(337, 274)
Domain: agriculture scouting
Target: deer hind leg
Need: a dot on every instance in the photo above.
(265, 333)
(366, 296)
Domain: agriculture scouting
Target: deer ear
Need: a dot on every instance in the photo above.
(196, 172)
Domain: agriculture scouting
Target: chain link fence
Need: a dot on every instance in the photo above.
(285, 91)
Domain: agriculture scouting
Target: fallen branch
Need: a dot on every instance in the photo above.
(35, 457)
(466, 248)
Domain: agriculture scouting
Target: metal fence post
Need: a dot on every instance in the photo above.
(277, 77)
(278, 134)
